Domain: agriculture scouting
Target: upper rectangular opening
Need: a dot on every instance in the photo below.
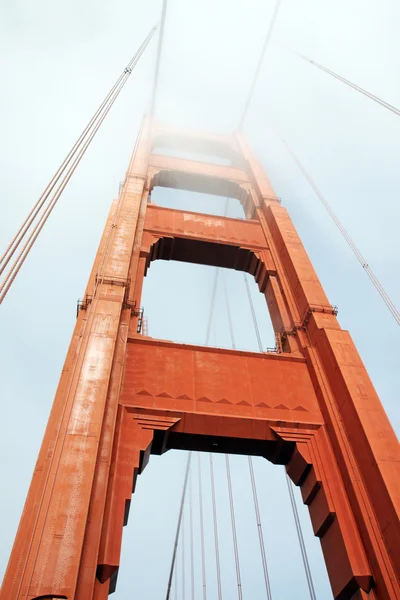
(201, 149)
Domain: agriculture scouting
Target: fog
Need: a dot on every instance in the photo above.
(58, 60)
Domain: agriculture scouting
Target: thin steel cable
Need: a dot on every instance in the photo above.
(228, 312)
(19, 261)
(158, 59)
(176, 582)
(253, 314)
(216, 543)
(291, 495)
(203, 553)
(183, 555)
(378, 286)
(356, 87)
(260, 62)
(10, 250)
(211, 313)
(191, 538)
(304, 556)
(178, 527)
(233, 523)
(214, 288)
(253, 482)
(259, 530)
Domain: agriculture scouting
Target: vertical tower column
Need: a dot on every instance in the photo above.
(59, 534)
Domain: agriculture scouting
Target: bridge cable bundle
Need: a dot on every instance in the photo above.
(37, 217)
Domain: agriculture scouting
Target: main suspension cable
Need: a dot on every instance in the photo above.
(74, 157)
(178, 527)
(299, 530)
(356, 87)
(233, 523)
(216, 543)
(260, 62)
(259, 530)
(378, 286)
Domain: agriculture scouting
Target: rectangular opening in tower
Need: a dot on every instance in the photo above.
(205, 306)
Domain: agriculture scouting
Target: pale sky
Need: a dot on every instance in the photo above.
(57, 62)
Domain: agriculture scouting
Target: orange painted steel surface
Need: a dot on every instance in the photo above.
(123, 396)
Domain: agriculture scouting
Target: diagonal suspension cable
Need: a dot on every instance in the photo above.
(378, 286)
(178, 527)
(260, 62)
(62, 178)
(356, 87)
(299, 531)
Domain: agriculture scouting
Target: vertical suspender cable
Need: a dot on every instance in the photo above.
(253, 482)
(176, 582)
(228, 310)
(233, 521)
(178, 527)
(260, 531)
(291, 495)
(183, 554)
(214, 289)
(253, 314)
(378, 286)
(203, 554)
(211, 314)
(214, 507)
(191, 538)
(301, 540)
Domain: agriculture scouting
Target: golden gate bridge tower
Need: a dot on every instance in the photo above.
(124, 396)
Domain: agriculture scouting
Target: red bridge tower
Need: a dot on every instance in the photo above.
(123, 396)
